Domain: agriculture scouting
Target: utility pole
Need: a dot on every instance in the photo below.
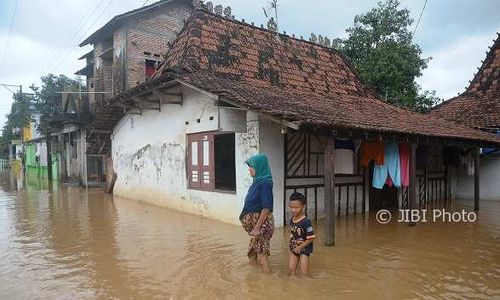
(22, 94)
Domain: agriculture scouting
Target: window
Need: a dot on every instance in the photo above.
(211, 161)
(150, 68)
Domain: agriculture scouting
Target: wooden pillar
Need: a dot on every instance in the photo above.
(83, 157)
(329, 194)
(366, 189)
(426, 181)
(48, 142)
(476, 180)
(412, 190)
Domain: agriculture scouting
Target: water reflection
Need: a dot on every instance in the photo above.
(63, 242)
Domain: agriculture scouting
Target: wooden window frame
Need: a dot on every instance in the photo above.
(203, 182)
(200, 176)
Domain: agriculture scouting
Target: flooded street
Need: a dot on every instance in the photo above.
(63, 242)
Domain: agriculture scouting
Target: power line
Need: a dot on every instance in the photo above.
(86, 32)
(73, 42)
(420, 17)
(10, 33)
(144, 4)
(80, 26)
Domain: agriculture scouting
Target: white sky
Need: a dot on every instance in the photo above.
(45, 35)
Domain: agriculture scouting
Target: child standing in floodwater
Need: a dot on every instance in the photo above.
(301, 235)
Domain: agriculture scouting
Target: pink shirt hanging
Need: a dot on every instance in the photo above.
(404, 160)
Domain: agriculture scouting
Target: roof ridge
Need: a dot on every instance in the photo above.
(487, 60)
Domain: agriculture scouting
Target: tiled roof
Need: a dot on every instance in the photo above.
(479, 105)
(341, 111)
(241, 51)
(289, 78)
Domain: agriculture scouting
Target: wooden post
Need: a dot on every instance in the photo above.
(329, 194)
(426, 182)
(476, 180)
(48, 142)
(366, 189)
(412, 190)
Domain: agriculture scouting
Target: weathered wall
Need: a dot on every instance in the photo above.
(489, 188)
(272, 144)
(149, 157)
(151, 32)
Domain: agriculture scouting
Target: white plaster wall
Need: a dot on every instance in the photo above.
(149, 157)
(41, 148)
(272, 144)
(489, 181)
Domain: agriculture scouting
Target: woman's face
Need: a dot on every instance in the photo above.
(251, 171)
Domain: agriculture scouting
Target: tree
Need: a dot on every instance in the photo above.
(48, 98)
(380, 47)
(46, 102)
(18, 117)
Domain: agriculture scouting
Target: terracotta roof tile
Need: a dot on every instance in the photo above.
(286, 77)
(479, 105)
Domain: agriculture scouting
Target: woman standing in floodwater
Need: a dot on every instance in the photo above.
(257, 215)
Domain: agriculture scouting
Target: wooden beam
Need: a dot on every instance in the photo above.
(164, 97)
(412, 190)
(476, 180)
(329, 193)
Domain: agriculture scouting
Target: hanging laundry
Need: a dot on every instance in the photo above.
(389, 182)
(467, 160)
(404, 160)
(344, 161)
(450, 156)
(390, 167)
(372, 151)
(344, 156)
(345, 144)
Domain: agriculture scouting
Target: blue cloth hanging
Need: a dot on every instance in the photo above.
(390, 167)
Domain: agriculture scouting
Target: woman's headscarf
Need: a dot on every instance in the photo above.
(261, 165)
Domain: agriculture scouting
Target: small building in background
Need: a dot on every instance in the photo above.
(125, 52)
(478, 107)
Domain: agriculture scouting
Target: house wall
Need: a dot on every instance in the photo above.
(271, 142)
(489, 187)
(150, 161)
(151, 32)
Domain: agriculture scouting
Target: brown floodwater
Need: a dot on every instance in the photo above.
(64, 242)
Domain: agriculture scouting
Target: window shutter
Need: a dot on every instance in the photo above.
(193, 162)
(206, 143)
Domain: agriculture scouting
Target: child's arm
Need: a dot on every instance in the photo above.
(309, 237)
(303, 245)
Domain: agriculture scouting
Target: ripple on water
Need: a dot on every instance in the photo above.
(72, 243)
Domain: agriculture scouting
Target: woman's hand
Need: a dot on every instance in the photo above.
(255, 231)
(297, 250)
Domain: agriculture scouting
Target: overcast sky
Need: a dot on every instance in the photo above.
(45, 34)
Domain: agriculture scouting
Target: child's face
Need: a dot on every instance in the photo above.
(296, 207)
(251, 171)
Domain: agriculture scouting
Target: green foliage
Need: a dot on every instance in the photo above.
(48, 97)
(46, 101)
(19, 117)
(380, 46)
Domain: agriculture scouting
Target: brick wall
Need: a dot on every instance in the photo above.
(150, 33)
(142, 37)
